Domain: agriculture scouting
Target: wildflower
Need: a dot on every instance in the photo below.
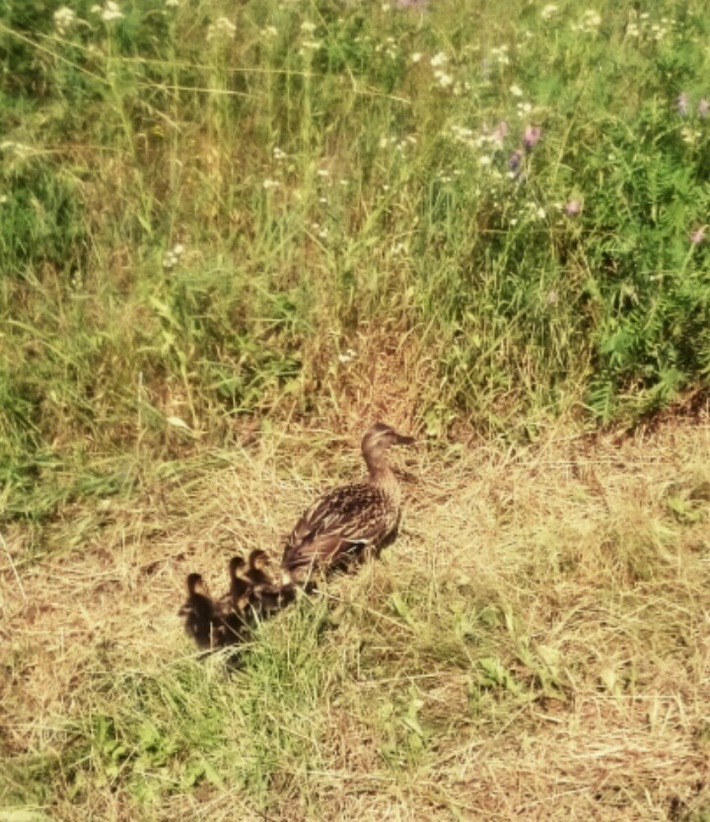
(443, 79)
(515, 161)
(307, 27)
(322, 172)
(172, 4)
(531, 137)
(222, 27)
(549, 11)
(552, 297)
(516, 91)
(172, 257)
(109, 12)
(416, 57)
(485, 160)
(278, 154)
(269, 184)
(703, 107)
(573, 208)
(591, 20)
(439, 59)
(698, 236)
(682, 104)
(64, 20)
(347, 356)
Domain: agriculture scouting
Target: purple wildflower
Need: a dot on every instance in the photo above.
(515, 161)
(531, 137)
(573, 208)
(703, 108)
(682, 104)
(698, 236)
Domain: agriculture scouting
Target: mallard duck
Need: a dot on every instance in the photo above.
(351, 519)
(199, 612)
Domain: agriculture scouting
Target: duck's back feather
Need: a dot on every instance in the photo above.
(344, 521)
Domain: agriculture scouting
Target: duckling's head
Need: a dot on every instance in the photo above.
(236, 564)
(381, 437)
(195, 584)
(258, 559)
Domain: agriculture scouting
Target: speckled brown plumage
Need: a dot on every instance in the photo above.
(350, 519)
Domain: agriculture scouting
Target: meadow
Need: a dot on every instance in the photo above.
(231, 237)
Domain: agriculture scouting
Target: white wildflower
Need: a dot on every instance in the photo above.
(64, 20)
(443, 79)
(172, 257)
(516, 91)
(109, 12)
(172, 4)
(439, 59)
(221, 28)
(269, 184)
(307, 27)
(347, 356)
(416, 57)
(549, 11)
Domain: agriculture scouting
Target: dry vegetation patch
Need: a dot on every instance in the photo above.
(536, 644)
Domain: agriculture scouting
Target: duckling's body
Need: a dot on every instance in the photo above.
(199, 612)
(239, 584)
(351, 519)
(257, 573)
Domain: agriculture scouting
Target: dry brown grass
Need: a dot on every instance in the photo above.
(535, 645)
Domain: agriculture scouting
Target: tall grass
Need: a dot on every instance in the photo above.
(329, 170)
(220, 218)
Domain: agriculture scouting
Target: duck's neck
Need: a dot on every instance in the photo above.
(379, 469)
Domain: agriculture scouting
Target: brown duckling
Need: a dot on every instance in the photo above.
(239, 583)
(351, 519)
(199, 612)
(257, 574)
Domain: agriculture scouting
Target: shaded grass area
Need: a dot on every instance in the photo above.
(534, 644)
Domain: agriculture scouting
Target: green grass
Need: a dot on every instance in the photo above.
(230, 236)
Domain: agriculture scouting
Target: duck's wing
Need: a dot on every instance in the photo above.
(346, 520)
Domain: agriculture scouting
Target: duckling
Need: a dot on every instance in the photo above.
(239, 584)
(258, 561)
(199, 612)
(351, 519)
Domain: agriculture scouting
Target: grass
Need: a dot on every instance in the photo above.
(534, 645)
(233, 237)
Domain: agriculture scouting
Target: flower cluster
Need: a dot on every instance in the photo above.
(172, 257)
(589, 23)
(64, 20)
(109, 13)
(644, 29)
(221, 29)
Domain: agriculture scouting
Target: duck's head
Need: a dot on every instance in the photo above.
(381, 437)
